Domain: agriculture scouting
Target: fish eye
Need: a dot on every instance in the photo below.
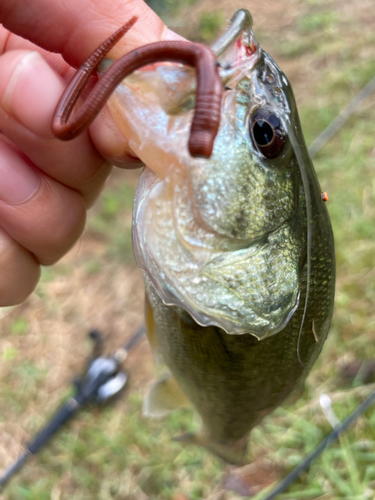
(267, 133)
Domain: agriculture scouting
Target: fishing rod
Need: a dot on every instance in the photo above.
(333, 436)
(341, 118)
(103, 380)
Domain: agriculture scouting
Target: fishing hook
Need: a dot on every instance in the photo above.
(206, 119)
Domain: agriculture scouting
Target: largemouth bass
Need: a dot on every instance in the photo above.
(237, 250)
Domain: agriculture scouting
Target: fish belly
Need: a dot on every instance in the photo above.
(233, 381)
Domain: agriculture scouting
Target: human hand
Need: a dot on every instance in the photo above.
(47, 185)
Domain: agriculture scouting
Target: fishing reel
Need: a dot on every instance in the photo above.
(101, 382)
(104, 379)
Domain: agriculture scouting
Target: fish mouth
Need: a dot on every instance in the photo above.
(183, 225)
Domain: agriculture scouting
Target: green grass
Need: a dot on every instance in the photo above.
(114, 453)
(210, 24)
(169, 9)
(111, 221)
(19, 326)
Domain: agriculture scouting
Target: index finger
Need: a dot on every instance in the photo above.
(74, 28)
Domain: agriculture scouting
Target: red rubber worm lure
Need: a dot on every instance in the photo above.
(206, 119)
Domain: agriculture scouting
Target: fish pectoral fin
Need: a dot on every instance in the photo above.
(164, 397)
(150, 328)
(233, 452)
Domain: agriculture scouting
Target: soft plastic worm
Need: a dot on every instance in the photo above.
(206, 119)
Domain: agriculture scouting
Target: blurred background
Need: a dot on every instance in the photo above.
(327, 50)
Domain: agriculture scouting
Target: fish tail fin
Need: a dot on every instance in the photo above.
(233, 452)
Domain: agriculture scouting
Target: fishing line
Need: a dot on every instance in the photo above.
(313, 149)
(306, 187)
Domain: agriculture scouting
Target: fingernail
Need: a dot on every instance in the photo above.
(128, 162)
(32, 91)
(19, 180)
(112, 144)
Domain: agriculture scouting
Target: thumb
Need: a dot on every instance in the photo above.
(74, 28)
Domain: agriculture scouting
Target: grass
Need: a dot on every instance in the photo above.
(111, 221)
(169, 10)
(113, 453)
(210, 24)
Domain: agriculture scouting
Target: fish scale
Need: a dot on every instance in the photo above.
(235, 380)
(237, 250)
(233, 236)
